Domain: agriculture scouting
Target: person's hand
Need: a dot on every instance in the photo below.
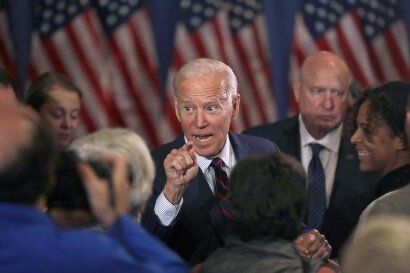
(99, 193)
(180, 168)
(312, 245)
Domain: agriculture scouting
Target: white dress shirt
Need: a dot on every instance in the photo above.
(166, 211)
(328, 155)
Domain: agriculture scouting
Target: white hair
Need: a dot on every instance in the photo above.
(204, 67)
(382, 244)
(128, 144)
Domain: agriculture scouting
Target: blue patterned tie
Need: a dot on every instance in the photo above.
(316, 189)
(221, 188)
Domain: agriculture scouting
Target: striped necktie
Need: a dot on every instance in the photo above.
(222, 188)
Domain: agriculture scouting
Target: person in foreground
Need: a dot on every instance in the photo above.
(68, 203)
(30, 242)
(58, 101)
(268, 196)
(379, 137)
(338, 191)
(380, 245)
(7, 92)
(188, 209)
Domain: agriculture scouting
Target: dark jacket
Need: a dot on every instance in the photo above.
(352, 190)
(199, 228)
(265, 255)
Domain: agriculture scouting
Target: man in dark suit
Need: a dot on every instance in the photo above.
(322, 96)
(187, 209)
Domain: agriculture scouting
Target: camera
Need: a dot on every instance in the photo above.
(68, 191)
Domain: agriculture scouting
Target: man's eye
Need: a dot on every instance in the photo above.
(211, 108)
(338, 93)
(317, 90)
(188, 108)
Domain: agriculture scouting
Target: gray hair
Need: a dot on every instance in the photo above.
(204, 67)
(380, 245)
(130, 145)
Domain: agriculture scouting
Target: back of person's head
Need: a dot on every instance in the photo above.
(380, 245)
(37, 93)
(268, 196)
(7, 89)
(203, 67)
(26, 156)
(387, 102)
(6, 79)
(134, 149)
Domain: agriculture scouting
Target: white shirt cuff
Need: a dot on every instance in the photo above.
(165, 210)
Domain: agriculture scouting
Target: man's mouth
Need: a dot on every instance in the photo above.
(202, 138)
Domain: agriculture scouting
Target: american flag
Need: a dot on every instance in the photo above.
(106, 47)
(233, 32)
(134, 70)
(369, 34)
(6, 46)
(67, 40)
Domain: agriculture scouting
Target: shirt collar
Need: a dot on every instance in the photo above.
(330, 141)
(226, 154)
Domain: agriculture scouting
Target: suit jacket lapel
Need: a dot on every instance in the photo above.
(240, 148)
(345, 162)
(291, 139)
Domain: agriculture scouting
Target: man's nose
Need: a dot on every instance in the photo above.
(328, 102)
(200, 119)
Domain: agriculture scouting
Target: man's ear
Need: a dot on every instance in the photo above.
(296, 90)
(236, 100)
(176, 109)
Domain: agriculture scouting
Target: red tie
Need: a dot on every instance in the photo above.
(222, 188)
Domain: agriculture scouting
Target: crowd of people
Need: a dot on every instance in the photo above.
(323, 191)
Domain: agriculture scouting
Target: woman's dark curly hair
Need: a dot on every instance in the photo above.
(387, 102)
(268, 195)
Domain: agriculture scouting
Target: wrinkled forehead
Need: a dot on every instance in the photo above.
(203, 87)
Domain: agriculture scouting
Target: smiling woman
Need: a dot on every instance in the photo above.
(58, 101)
(379, 138)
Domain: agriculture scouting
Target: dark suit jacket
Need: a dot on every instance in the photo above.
(198, 229)
(352, 190)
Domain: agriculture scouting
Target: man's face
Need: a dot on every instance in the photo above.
(7, 95)
(322, 95)
(205, 110)
(61, 114)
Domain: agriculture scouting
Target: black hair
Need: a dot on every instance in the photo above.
(268, 195)
(386, 102)
(30, 175)
(37, 93)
